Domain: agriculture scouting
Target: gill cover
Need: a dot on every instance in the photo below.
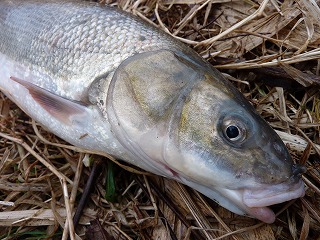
(145, 93)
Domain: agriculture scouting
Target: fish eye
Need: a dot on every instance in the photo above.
(234, 131)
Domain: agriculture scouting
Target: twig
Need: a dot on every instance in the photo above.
(62, 178)
(257, 13)
(96, 168)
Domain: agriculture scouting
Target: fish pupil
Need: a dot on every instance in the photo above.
(232, 132)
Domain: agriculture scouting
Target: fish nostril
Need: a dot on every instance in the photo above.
(298, 169)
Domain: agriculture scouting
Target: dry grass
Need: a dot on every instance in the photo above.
(253, 43)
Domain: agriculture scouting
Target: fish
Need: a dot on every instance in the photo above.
(105, 80)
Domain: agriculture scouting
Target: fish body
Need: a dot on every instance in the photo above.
(104, 80)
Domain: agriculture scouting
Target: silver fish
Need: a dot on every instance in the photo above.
(82, 69)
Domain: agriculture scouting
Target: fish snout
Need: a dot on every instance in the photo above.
(278, 162)
(297, 171)
(282, 171)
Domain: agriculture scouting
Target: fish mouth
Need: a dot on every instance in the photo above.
(257, 200)
(253, 202)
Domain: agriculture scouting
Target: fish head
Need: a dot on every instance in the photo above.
(178, 117)
(237, 157)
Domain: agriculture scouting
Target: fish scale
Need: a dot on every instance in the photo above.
(58, 37)
(104, 80)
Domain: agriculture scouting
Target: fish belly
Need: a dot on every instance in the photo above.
(91, 132)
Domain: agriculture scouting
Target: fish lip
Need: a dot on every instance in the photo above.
(256, 200)
(263, 214)
(238, 200)
(273, 194)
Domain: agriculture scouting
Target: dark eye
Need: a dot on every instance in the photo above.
(232, 132)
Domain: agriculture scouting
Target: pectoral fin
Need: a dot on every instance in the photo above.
(65, 110)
